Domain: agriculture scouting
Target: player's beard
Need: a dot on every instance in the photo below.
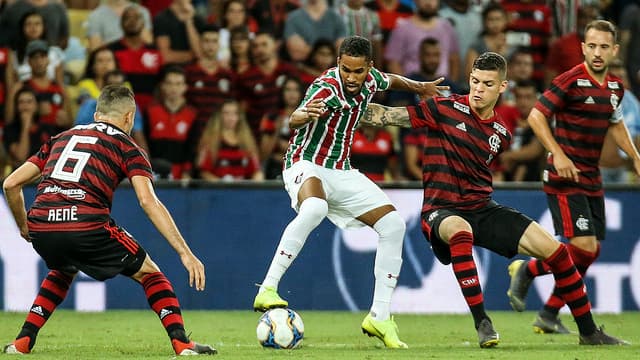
(598, 71)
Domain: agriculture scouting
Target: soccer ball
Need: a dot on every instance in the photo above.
(280, 329)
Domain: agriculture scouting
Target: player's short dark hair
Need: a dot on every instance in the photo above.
(356, 46)
(603, 25)
(493, 62)
(115, 99)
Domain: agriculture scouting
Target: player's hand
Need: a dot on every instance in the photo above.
(195, 269)
(314, 109)
(430, 88)
(565, 167)
(24, 232)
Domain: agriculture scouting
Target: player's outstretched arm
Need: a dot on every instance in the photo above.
(12, 187)
(424, 89)
(380, 115)
(162, 220)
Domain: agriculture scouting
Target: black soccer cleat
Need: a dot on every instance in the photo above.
(599, 337)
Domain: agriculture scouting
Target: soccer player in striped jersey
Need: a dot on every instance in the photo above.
(464, 136)
(586, 103)
(70, 227)
(322, 183)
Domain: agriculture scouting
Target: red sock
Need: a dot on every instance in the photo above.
(537, 267)
(571, 288)
(163, 301)
(464, 268)
(53, 290)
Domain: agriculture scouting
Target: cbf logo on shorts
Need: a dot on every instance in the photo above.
(424, 286)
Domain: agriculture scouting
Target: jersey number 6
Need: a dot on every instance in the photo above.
(69, 153)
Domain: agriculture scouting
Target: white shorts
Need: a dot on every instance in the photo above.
(349, 192)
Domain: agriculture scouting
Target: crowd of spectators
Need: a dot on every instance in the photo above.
(216, 80)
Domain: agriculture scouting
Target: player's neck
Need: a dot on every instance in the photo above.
(599, 77)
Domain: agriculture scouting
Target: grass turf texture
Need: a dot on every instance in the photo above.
(328, 335)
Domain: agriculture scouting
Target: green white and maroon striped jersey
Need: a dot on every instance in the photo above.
(327, 141)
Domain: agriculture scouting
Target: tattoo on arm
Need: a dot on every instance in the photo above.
(380, 115)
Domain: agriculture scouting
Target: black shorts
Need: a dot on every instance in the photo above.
(577, 215)
(495, 227)
(101, 254)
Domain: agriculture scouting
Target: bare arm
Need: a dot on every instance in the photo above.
(12, 186)
(300, 117)
(162, 220)
(424, 89)
(540, 126)
(380, 115)
(622, 138)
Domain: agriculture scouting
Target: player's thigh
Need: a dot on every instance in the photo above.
(107, 252)
(53, 248)
(572, 215)
(296, 176)
(499, 228)
(431, 222)
(351, 194)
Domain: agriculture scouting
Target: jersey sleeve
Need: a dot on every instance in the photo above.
(424, 114)
(618, 112)
(40, 158)
(320, 90)
(381, 79)
(553, 99)
(136, 163)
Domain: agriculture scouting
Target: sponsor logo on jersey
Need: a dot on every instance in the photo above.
(462, 127)
(72, 193)
(461, 107)
(499, 128)
(613, 85)
(584, 83)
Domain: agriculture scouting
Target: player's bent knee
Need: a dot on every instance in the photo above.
(148, 267)
(452, 225)
(390, 226)
(314, 207)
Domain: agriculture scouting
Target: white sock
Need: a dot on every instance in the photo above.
(310, 215)
(390, 229)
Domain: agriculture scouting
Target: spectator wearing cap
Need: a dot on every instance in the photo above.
(52, 99)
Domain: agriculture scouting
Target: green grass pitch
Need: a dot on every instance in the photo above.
(328, 335)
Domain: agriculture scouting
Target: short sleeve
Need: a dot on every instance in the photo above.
(423, 114)
(381, 79)
(40, 158)
(137, 163)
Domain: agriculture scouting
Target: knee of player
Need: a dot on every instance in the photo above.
(314, 207)
(453, 225)
(391, 223)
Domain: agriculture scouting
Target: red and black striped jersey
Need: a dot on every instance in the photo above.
(207, 91)
(583, 110)
(261, 91)
(141, 66)
(458, 152)
(81, 168)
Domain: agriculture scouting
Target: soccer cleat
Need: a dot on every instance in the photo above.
(18, 346)
(385, 330)
(599, 337)
(546, 325)
(519, 285)
(487, 336)
(192, 348)
(268, 299)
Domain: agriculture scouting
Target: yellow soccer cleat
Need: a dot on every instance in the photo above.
(268, 299)
(386, 330)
